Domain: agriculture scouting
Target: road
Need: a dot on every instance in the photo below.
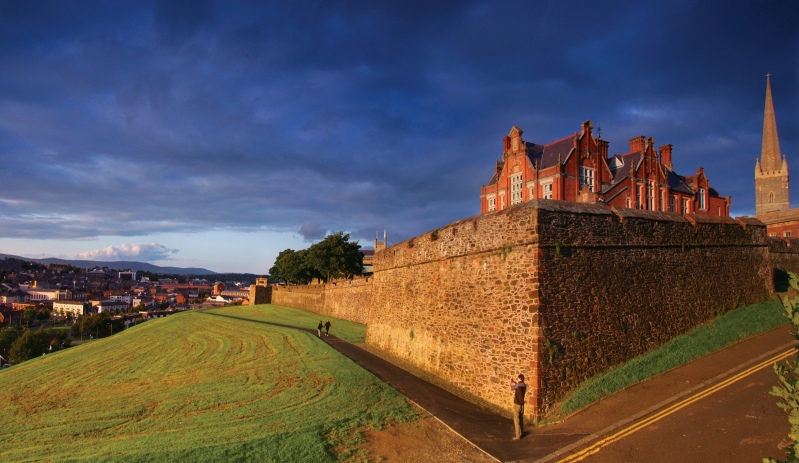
(730, 418)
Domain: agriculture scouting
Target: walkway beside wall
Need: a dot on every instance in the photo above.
(493, 434)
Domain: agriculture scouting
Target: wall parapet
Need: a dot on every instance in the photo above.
(558, 290)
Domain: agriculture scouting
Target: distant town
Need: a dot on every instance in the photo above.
(68, 291)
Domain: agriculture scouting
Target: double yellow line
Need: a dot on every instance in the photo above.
(597, 446)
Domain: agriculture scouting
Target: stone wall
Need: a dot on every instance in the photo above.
(461, 302)
(615, 286)
(559, 291)
(346, 299)
(307, 297)
(783, 258)
(260, 294)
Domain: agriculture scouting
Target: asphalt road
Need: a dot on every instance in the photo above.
(729, 417)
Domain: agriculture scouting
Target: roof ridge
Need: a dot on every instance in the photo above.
(562, 139)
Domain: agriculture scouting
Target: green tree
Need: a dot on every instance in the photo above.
(29, 345)
(293, 267)
(336, 257)
(788, 378)
(42, 314)
(7, 337)
(29, 315)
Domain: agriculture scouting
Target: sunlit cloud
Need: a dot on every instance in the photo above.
(146, 252)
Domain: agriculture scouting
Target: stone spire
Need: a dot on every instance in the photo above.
(771, 170)
(770, 156)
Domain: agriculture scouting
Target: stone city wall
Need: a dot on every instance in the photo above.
(260, 294)
(615, 286)
(461, 302)
(345, 299)
(348, 299)
(559, 291)
(307, 297)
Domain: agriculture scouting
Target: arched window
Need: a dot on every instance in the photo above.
(771, 197)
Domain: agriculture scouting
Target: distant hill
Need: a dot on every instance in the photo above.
(118, 265)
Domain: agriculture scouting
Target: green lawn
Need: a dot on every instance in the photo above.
(349, 331)
(731, 327)
(196, 387)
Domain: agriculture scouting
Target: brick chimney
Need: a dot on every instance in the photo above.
(665, 156)
(603, 148)
(637, 143)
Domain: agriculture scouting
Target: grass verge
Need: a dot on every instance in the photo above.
(344, 329)
(195, 387)
(726, 329)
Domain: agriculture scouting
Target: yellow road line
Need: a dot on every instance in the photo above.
(597, 446)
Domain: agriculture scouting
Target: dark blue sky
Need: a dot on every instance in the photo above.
(218, 133)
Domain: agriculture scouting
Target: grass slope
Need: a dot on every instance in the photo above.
(346, 330)
(194, 387)
(729, 328)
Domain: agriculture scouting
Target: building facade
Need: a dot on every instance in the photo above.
(577, 168)
(72, 307)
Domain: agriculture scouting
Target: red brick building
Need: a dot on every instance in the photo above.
(577, 168)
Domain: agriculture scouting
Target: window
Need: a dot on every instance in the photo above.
(587, 177)
(702, 199)
(492, 204)
(516, 188)
(547, 190)
(502, 201)
(787, 234)
(650, 196)
(532, 192)
(672, 200)
(628, 202)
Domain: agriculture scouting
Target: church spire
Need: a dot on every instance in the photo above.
(770, 156)
(771, 170)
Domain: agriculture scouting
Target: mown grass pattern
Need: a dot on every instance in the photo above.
(344, 329)
(724, 330)
(193, 387)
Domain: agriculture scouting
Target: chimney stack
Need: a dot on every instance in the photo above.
(637, 143)
(665, 156)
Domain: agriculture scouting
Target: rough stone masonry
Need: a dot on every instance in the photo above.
(560, 291)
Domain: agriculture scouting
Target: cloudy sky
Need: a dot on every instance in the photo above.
(216, 134)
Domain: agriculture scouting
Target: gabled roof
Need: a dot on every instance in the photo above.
(620, 169)
(548, 154)
(679, 183)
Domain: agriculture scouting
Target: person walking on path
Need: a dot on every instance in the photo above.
(327, 328)
(519, 388)
(319, 329)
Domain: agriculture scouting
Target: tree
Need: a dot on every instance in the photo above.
(336, 257)
(7, 337)
(788, 377)
(29, 345)
(29, 315)
(293, 267)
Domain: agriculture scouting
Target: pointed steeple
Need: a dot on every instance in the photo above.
(770, 156)
(771, 170)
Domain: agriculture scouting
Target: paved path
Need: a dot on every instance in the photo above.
(492, 433)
